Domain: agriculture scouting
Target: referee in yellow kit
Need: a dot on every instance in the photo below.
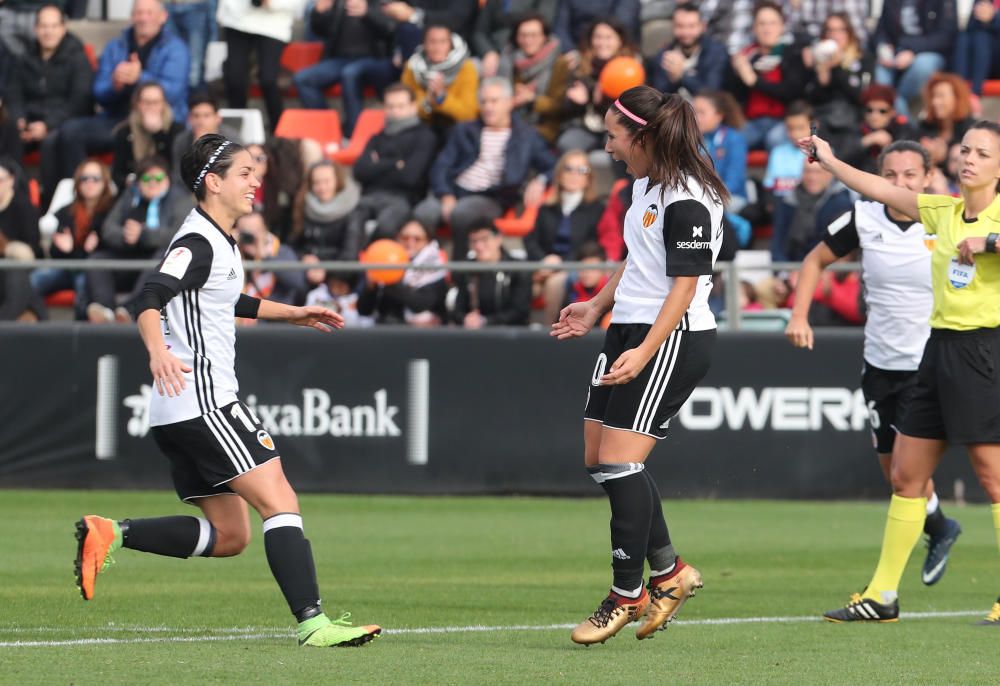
(957, 399)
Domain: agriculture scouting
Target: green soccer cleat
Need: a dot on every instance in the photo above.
(322, 632)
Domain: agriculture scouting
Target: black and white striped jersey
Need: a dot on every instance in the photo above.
(204, 271)
(678, 233)
(896, 268)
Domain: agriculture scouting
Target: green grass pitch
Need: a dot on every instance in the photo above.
(518, 568)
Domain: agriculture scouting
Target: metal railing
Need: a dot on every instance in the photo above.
(730, 271)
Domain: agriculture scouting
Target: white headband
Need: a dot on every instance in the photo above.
(208, 165)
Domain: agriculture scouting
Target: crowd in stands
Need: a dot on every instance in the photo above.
(492, 109)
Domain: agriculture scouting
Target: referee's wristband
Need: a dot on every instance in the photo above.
(991, 242)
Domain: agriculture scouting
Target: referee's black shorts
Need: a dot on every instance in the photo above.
(887, 394)
(957, 397)
(209, 451)
(647, 403)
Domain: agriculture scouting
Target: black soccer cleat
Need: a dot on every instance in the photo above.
(864, 610)
(938, 549)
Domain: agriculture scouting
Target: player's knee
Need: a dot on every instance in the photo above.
(231, 542)
(904, 485)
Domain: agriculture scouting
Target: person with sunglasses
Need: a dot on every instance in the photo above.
(139, 226)
(564, 223)
(880, 126)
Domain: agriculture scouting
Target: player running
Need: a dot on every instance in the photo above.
(657, 349)
(216, 446)
(896, 266)
(957, 397)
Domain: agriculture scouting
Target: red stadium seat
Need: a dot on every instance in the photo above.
(298, 55)
(757, 158)
(370, 123)
(991, 89)
(322, 126)
(34, 192)
(512, 224)
(65, 298)
(91, 55)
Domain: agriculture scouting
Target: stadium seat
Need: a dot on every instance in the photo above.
(250, 124)
(65, 298)
(757, 158)
(322, 126)
(91, 55)
(34, 192)
(514, 225)
(296, 56)
(991, 89)
(370, 123)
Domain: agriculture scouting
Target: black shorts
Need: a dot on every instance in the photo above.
(208, 451)
(957, 397)
(647, 403)
(887, 393)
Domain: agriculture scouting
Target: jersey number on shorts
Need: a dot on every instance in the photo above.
(238, 413)
(602, 363)
(873, 415)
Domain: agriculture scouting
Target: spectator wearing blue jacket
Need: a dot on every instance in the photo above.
(720, 120)
(573, 17)
(484, 167)
(146, 51)
(694, 61)
(911, 41)
(974, 58)
(800, 220)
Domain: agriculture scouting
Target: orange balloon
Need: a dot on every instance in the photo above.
(385, 251)
(620, 74)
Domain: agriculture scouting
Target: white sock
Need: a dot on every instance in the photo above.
(932, 503)
(888, 597)
(661, 572)
(627, 594)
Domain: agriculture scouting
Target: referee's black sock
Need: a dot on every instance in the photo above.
(936, 524)
(631, 509)
(178, 536)
(291, 560)
(659, 551)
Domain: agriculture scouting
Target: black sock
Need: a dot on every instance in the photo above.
(659, 550)
(935, 525)
(631, 509)
(178, 536)
(290, 558)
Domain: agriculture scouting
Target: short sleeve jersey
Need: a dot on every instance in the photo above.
(896, 268)
(203, 264)
(670, 234)
(965, 296)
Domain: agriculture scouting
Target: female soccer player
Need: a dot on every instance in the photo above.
(957, 398)
(657, 348)
(216, 446)
(896, 262)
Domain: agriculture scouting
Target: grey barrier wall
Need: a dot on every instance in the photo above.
(416, 411)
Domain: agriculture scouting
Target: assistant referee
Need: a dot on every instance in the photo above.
(957, 399)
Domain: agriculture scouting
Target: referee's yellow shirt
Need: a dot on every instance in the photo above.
(965, 296)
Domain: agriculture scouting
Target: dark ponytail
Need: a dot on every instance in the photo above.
(676, 147)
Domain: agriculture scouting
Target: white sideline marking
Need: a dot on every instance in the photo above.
(252, 633)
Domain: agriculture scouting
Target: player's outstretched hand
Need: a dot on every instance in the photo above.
(320, 318)
(168, 373)
(626, 367)
(575, 320)
(816, 149)
(799, 333)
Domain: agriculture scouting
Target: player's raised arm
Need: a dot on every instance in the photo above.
(871, 186)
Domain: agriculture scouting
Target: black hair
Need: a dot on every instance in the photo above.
(685, 7)
(590, 250)
(50, 6)
(799, 108)
(525, 18)
(670, 133)
(905, 146)
(399, 87)
(768, 5)
(211, 154)
(9, 165)
(152, 162)
(202, 97)
(437, 25)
